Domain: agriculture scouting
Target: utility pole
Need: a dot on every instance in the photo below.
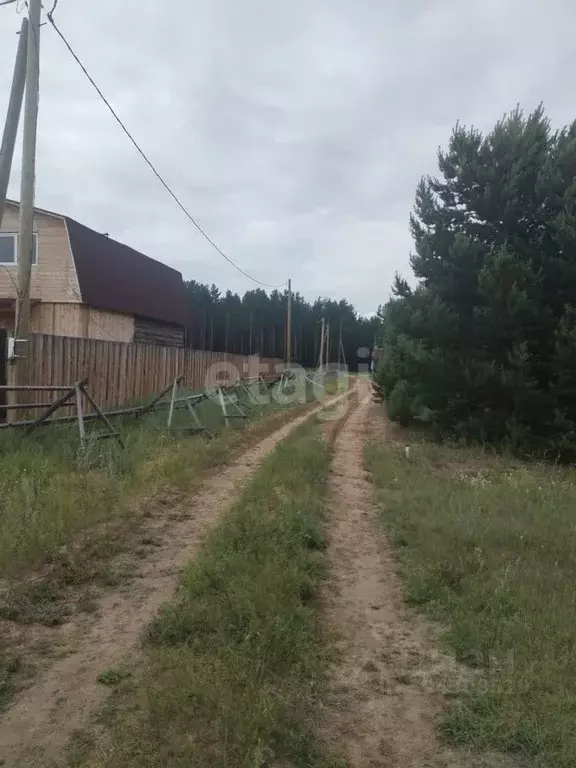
(26, 235)
(343, 354)
(289, 327)
(321, 355)
(327, 345)
(13, 116)
(340, 346)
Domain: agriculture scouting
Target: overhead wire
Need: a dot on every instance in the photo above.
(173, 195)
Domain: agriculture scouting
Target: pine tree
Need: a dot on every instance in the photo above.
(256, 323)
(484, 346)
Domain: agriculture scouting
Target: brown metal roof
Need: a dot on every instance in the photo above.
(115, 277)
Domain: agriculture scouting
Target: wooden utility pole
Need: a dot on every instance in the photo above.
(26, 234)
(289, 326)
(321, 355)
(13, 116)
(327, 345)
(340, 346)
(343, 354)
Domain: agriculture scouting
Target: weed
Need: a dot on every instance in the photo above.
(112, 677)
(34, 603)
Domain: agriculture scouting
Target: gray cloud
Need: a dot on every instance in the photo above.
(295, 132)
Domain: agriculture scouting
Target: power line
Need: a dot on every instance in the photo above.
(141, 152)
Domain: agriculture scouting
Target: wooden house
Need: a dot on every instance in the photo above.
(86, 284)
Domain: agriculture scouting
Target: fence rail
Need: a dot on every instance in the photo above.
(119, 372)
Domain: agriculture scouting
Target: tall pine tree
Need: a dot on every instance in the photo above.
(485, 344)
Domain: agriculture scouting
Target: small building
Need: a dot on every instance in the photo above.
(88, 285)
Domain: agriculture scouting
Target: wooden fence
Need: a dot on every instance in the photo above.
(120, 373)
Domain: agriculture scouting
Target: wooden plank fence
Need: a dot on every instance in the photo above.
(120, 373)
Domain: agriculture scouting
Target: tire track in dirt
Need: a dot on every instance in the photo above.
(376, 715)
(38, 725)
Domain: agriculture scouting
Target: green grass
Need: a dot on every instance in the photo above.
(51, 490)
(233, 667)
(71, 519)
(112, 677)
(488, 548)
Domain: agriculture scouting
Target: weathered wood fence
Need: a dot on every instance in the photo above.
(120, 373)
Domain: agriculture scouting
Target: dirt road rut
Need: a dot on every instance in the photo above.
(39, 724)
(376, 715)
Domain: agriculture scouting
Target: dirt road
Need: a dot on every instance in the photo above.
(379, 713)
(38, 725)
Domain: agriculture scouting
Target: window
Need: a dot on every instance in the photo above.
(9, 249)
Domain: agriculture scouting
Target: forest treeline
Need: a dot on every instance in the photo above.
(484, 345)
(256, 324)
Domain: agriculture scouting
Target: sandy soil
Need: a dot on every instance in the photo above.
(380, 711)
(38, 725)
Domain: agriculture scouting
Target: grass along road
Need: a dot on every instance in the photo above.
(35, 729)
(488, 548)
(52, 490)
(74, 525)
(234, 666)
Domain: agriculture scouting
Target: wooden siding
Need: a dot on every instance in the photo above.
(80, 320)
(7, 319)
(124, 373)
(151, 332)
(54, 278)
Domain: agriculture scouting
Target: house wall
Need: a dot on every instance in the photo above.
(54, 278)
(152, 332)
(6, 319)
(78, 320)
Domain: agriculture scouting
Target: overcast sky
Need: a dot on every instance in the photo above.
(295, 132)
